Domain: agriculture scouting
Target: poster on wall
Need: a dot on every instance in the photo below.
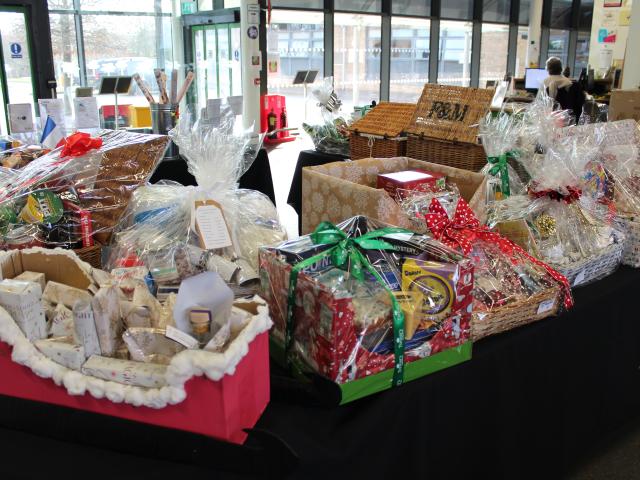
(606, 57)
(625, 17)
(607, 35)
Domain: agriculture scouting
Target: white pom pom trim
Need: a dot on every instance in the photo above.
(183, 366)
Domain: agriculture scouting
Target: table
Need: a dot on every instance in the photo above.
(530, 404)
(258, 177)
(307, 158)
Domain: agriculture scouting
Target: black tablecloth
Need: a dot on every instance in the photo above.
(258, 177)
(307, 158)
(531, 403)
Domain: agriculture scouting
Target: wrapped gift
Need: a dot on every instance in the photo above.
(614, 174)
(62, 350)
(125, 371)
(567, 206)
(176, 231)
(78, 192)
(511, 287)
(362, 302)
(336, 191)
(332, 136)
(22, 301)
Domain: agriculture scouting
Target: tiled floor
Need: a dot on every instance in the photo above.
(282, 159)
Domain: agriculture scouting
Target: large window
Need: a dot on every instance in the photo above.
(295, 41)
(65, 56)
(409, 58)
(369, 6)
(496, 10)
(493, 53)
(418, 8)
(561, 13)
(582, 53)
(457, 9)
(523, 14)
(357, 47)
(559, 45)
(454, 56)
(318, 4)
(119, 37)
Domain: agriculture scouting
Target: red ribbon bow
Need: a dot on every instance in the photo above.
(78, 144)
(465, 228)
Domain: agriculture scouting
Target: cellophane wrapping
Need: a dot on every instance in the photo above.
(162, 228)
(342, 326)
(505, 276)
(568, 208)
(76, 193)
(331, 135)
(20, 156)
(613, 176)
(500, 134)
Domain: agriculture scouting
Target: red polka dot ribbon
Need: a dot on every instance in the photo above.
(465, 228)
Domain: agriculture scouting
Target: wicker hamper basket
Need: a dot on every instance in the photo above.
(92, 255)
(592, 268)
(380, 133)
(501, 319)
(631, 228)
(444, 127)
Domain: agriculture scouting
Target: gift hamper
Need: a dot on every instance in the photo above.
(500, 133)
(444, 126)
(172, 231)
(511, 287)
(332, 136)
(75, 195)
(615, 175)
(381, 132)
(567, 227)
(367, 306)
(83, 338)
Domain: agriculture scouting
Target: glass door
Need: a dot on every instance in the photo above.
(16, 71)
(216, 51)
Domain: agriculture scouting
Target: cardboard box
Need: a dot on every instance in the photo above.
(58, 266)
(221, 409)
(337, 191)
(624, 104)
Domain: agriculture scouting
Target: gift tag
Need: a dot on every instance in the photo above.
(182, 338)
(546, 306)
(211, 225)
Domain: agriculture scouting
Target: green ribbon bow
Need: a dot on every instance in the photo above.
(346, 255)
(501, 168)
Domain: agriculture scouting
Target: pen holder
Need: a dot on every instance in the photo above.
(163, 119)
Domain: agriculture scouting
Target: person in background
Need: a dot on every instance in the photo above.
(555, 81)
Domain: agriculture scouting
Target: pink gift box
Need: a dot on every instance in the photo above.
(219, 409)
